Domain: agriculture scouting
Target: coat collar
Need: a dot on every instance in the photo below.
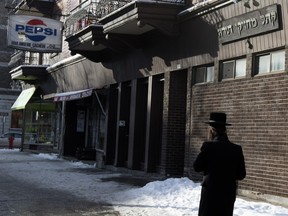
(222, 137)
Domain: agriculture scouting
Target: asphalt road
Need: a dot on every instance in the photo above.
(22, 197)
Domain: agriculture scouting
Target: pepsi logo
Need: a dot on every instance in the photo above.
(36, 30)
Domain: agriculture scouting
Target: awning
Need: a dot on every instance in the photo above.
(73, 95)
(65, 62)
(23, 99)
(29, 73)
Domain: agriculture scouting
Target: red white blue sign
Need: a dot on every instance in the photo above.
(37, 34)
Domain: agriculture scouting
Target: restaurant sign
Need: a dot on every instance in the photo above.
(33, 33)
(250, 24)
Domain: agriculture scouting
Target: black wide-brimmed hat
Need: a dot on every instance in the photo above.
(217, 118)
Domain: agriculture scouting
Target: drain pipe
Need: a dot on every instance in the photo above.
(205, 6)
(62, 129)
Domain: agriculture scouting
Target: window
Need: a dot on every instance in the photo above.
(268, 62)
(234, 68)
(39, 126)
(204, 74)
(17, 135)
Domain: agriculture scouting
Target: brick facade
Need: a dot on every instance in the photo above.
(257, 109)
(174, 131)
(174, 119)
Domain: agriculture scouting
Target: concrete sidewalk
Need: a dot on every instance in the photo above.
(33, 186)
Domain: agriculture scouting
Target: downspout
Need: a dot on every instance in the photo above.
(62, 131)
(23, 129)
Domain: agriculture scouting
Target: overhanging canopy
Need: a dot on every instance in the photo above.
(73, 95)
(23, 99)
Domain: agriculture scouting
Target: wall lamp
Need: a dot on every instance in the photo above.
(254, 2)
(249, 44)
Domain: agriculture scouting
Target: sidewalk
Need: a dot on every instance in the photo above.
(76, 188)
(127, 176)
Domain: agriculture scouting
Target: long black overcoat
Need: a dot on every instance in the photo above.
(223, 164)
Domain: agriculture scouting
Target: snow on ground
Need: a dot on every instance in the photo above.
(180, 196)
(170, 197)
(47, 156)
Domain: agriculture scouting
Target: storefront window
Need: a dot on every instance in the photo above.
(40, 124)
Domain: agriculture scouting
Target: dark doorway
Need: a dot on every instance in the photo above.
(74, 137)
(156, 119)
(112, 124)
(140, 124)
(123, 135)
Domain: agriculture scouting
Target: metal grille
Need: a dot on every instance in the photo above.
(32, 58)
(90, 11)
(106, 7)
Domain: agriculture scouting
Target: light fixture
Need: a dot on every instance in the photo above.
(254, 2)
(140, 24)
(94, 43)
(249, 44)
(247, 4)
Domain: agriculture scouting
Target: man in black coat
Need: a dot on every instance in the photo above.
(222, 163)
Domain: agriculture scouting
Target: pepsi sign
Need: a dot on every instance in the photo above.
(35, 34)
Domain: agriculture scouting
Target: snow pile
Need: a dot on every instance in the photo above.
(52, 156)
(180, 196)
(171, 197)
(80, 164)
(9, 150)
(174, 196)
(47, 156)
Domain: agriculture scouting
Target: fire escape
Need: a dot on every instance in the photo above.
(102, 29)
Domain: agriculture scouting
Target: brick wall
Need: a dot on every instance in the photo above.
(257, 109)
(174, 120)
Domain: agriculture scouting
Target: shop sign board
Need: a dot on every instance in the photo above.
(250, 24)
(37, 34)
(74, 95)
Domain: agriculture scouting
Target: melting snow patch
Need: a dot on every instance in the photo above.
(47, 156)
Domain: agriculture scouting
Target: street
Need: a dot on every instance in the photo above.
(35, 186)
